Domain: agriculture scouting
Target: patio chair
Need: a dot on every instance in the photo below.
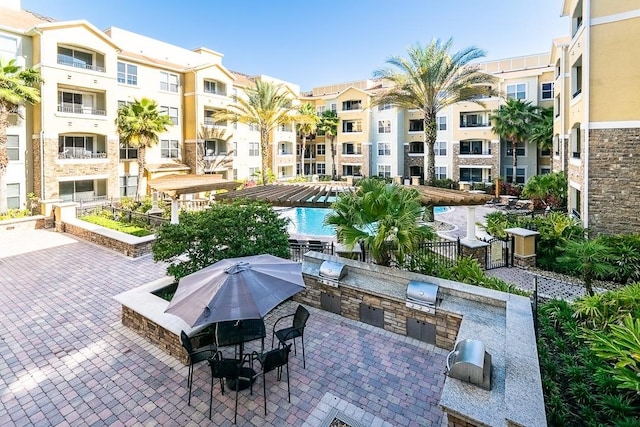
(195, 356)
(229, 370)
(316, 245)
(272, 360)
(292, 332)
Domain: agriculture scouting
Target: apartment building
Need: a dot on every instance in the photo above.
(597, 113)
(388, 142)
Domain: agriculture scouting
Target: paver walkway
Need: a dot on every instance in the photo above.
(65, 358)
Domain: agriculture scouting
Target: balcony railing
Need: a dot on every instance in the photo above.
(209, 121)
(476, 153)
(80, 109)
(475, 125)
(352, 152)
(576, 93)
(62, 60)
(220, 92)
(80, 153)
(575, 154)
(575, 213)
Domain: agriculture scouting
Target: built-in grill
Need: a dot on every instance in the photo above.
(331, 273)
(422, 296)
(471, 363)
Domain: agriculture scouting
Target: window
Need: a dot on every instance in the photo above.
(441, 172)
(520, 177)
(13, 147)
(576, 78)
(416, 125)
(320, 109)
(545, 170)
(546, 91)
(320, 149)
(576, 142)
(254, 149)
(128, 185)
(285, 128)
(416, 147)
(77, 58)
(384, 107)
(520, 151)
(122, 103)
(384, 171)
(253, 127)
(351, 170)
(215, 147)
(217, 88)
(169, 149)
(517, 91)
(471, 174)
(384, 126)
(321, 169)
(384, 148)
(473, 120)
(334, 107)
(127, 73)
(350, 126)
(81, 147)
(8, 46)
(127, 152)
(545, 152)
(353, 104)
(13, 196)
(168, 82)
(471, 147)
(351, 148)
(172, 112)
(442, 122)
(440, 148)
(576, 18)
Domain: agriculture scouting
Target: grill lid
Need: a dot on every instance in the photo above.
(471, 363)
(422, 292)
(332, 270)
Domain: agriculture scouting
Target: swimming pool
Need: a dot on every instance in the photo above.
(310, 221)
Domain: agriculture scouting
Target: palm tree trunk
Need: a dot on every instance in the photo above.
(333, 158)
(514, 145)
(304, 146)
(142, 182)
(4, 159)
(429, 144)
(264, 155)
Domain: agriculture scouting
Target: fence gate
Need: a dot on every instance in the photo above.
(498, 253)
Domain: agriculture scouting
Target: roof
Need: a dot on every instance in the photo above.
(177, 184)
(21, 19)
(166, 167)
(324, 194)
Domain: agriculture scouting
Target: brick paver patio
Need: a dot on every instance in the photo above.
(67, 360)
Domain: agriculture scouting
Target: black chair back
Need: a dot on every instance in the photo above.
(300, 318)
(186, 342)
(276, 358)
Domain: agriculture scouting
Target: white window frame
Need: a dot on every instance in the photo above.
(13, 195)
(509, 148)
(172, 112)
(126, 188)
(384, 148)
(509, 173)
(515, 90)
(384, 107)
(13, 148)
(440, 148)
(441, 172)
(166, 83)
(321, 168)
(442, 122)
(548, 92)
(321, 149)
(169, 149)
(384, 126)
(384, 171)
(129, 74)
(254, 149)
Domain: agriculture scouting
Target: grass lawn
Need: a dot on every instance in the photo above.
(134, 230)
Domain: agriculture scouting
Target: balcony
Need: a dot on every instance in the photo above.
(475, 152)
(210, 121)
(83, 59)
(71, 108)
(80, 153)
(475, 125)
(62, 60)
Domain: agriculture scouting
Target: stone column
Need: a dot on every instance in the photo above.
(475, 249)
(471, 223)
(415, 180)
(524, 250)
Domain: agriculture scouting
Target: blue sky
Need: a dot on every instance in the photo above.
(312, 42)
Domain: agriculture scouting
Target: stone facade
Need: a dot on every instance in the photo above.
(395, 312)
(614, 181)
(133, 250)
(462, 161)
(27, 223)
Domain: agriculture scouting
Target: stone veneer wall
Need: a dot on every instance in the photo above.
(128, 249)
(164, 339)
(395, 312)
(27, 223)
(614, 180)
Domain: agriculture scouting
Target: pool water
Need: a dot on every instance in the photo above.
(310, 221)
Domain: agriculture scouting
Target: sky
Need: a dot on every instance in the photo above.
(317, 42)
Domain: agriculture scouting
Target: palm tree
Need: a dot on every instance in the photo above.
(591, 258)
(18, 86)
(265, 106)
(513, 122)
(385, 216)
(139, 123)
(542, 129)
(328, 127)
(430, 79)
(307, 121)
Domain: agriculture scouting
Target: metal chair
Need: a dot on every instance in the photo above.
(195, 356)
(292, 332)
(228, 369)
(272, 360)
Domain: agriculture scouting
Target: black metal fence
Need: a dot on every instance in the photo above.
(152, 221)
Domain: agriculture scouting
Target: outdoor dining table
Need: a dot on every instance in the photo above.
(237, 333)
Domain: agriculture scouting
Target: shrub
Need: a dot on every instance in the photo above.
(103, 221)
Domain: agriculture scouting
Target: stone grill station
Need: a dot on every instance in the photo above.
(502, 322)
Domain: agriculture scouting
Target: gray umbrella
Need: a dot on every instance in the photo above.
(236, 289)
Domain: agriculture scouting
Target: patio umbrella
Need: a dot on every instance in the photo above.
(236, 289)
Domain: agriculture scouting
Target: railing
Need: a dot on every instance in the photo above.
(474, 125)
(154, 221)
(576, 93)
(352, 152)
(80, 109)
(216, 92)
(80, 64)
(74, 153)
(575, 154)
(575, 213)
(476, 153)
(212, 122)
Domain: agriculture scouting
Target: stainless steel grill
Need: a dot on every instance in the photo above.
(331, 273)
(422, 296)
(471, 363)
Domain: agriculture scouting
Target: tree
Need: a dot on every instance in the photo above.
(307, 122)
(385, 216)
(430, 79)
(265, 106)
(513, 122)
(590, 258)
(226, 230)
(328, 127)
(139, 123)
(548, 190)
(18, 86)
(542, 128)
